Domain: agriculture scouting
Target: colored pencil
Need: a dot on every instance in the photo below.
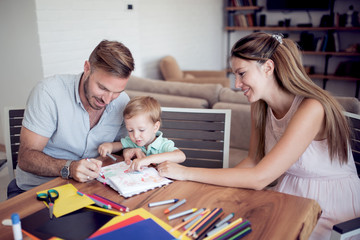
(195, 227)
(216, 229)
(98, 203)
(216, 214)
(194, 214)
(177, 227)
(234, 223)
(227, 218)
(113, 204)
(194, 224)
(233, 231)
(209, 224)
(241, 234)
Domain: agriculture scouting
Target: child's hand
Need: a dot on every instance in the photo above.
(130, 153)
(138, 164)
(105, 148)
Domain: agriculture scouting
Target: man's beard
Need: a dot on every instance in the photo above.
(88, 96)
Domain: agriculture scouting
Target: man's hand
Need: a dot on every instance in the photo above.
(130, 153)
(85, 169)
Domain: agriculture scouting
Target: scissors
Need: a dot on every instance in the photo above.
(49, 198)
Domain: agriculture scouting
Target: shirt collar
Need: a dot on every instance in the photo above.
(156, 144)
(76, 89)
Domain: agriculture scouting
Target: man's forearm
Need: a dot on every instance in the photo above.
(37, 162)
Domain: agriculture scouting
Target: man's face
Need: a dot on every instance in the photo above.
(101, 88)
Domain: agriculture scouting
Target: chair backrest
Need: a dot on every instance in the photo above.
(202, 134)
(354, 120)
(13, 123)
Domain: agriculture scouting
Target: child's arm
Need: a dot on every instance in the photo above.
(176, 156)
(109, 147)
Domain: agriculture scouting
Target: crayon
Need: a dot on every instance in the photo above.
(174, 206)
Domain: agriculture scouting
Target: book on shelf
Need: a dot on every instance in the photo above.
(241, 3)
(129, 183)
(328, 43)
(242, 20)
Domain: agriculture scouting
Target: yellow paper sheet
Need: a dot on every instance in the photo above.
(68, 201)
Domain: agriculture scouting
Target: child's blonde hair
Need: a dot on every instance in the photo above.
(141, 105)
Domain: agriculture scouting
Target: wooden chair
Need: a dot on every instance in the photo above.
(13, 123)
(202, 134)
(352, 227)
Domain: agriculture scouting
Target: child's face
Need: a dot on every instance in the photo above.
(141, 129)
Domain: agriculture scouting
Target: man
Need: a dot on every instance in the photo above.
(68, 116)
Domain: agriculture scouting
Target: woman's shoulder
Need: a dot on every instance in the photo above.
(311, 103)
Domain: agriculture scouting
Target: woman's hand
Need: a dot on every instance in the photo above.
(172, 170)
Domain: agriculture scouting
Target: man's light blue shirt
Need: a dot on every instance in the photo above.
(54, 110)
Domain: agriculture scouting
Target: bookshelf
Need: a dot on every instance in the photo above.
(323, 75)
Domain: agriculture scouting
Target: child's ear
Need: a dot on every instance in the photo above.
(157, 126)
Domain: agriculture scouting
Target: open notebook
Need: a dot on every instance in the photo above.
(131, 183)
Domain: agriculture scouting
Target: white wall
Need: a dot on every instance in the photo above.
(69, 30)
(20, 62)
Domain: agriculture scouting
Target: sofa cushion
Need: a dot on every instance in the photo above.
(170, 69)
(240, 123)
(231, 96)
(173, 101)
(207, 91)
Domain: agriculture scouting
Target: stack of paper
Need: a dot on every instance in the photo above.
(137, 224)
(128, 183)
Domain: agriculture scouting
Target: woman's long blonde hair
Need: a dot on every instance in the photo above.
(291, 76)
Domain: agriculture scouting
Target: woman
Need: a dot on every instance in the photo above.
(298, 136)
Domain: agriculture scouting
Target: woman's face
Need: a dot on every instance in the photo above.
(250, 77)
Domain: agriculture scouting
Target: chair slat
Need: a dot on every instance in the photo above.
(200, 154)
(214, 126)
(15, 130)
(202, 163)
(191, 134)
(193, 116)
(15, 138)
(212, 145)
(13, 113)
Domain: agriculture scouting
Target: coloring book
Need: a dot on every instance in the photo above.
(128, 183)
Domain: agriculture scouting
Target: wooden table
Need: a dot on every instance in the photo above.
(272, 215)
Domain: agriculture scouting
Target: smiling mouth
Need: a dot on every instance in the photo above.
(245, 91)
(99, 102)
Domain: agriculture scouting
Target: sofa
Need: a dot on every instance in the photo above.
(194, 95)
(171, 71)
